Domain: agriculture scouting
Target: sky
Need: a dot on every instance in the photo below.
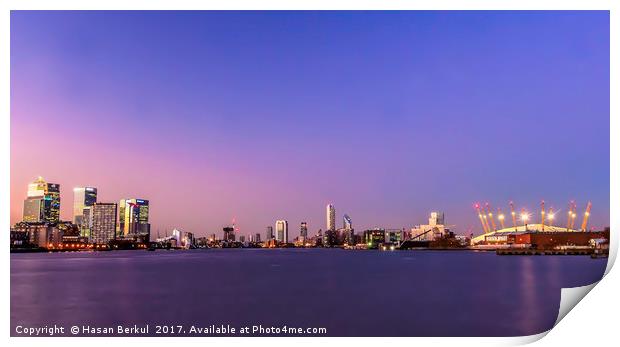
(260, 116)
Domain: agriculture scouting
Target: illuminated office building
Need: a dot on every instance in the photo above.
(282, 231)
(303, 231)
(42, 203)
(103, 222)
(83, 197)
(229, 234)
(269, 233)
(347, 223)
(133, 220)
(331, 217)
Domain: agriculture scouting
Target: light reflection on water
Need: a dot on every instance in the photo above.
(351, 293)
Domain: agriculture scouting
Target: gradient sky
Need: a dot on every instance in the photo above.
(272, 115)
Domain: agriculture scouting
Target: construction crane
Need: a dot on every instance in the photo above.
(484, 227)
(542, 214)
(514, 215)
(500, 216)
(490, 214)
(586, 215)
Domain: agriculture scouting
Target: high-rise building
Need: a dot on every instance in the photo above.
(103, 221)
(269, 233)
(229, 234)
(257, 237)
(83, 197)
(347, 223)
(133, 219)
(303, 231)
(437, 218)
(42, 203)
(331, 217)
(282, 231)
(33, 210)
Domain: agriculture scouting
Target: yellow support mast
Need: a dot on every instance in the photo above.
(500, 216)
(551, 216)
(484, 227)
(573, 216)
(570, 216)
(586, 215)
(542, 214)
(514, 215)
(490, 214)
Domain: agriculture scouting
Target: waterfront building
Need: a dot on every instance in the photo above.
(103, 222)
(257, 237)
(40, 234)
(347, 236)
(229, 234)
(331, 217)
(374, 237)
(330, 238)
(269, 233)
(303, 231)
(133, 220)
(394, 236)
(434, 230)
(346, 222)
(83, 197)
(319, 238)
(183, 239)
(242, 238)
(282, 231)
(42, 203)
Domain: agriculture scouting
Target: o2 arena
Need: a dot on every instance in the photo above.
(547, 233)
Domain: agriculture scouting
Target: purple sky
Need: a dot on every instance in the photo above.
(272, 115)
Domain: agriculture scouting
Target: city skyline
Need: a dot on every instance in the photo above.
(428, 112)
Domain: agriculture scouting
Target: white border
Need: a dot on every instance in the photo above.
(598, 319)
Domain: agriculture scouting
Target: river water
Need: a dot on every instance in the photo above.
(349, 293)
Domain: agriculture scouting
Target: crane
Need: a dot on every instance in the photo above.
(586, 215)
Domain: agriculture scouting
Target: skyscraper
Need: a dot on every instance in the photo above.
(133, 219)
(229, 233)
(282, 231)
(331, 217)
(303, 231)
(269, 233)
(103, 221)
(42, 203)
(83, 197)
(346, 222)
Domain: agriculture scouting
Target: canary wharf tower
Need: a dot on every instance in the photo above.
(42, 203)
(133, 220)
